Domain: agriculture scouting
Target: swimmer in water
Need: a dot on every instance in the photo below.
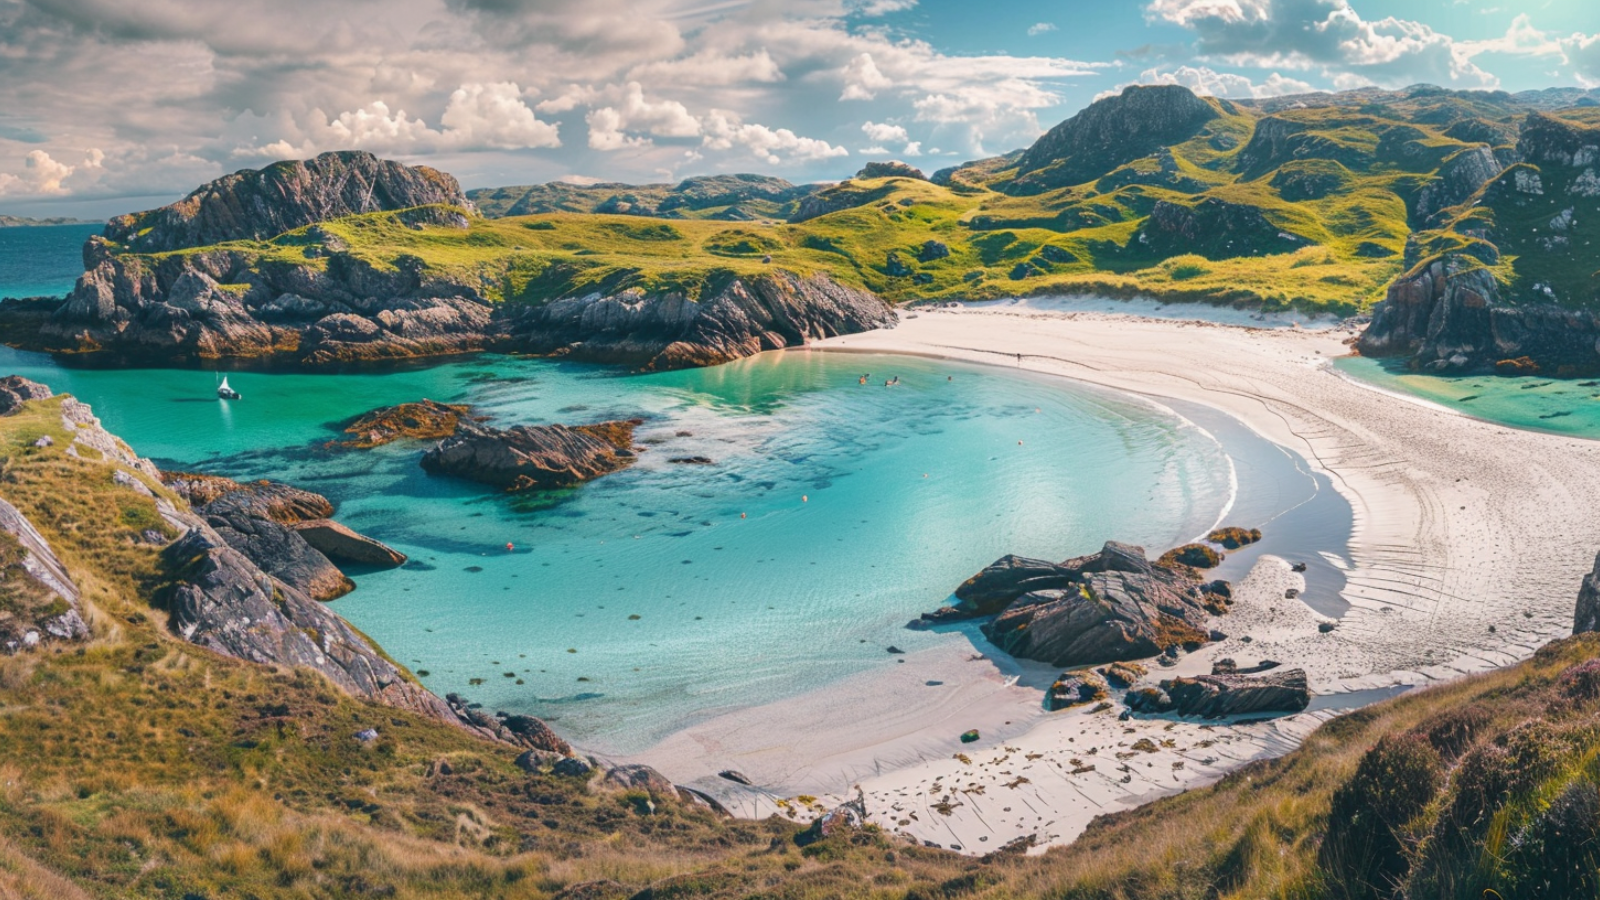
(510, 546)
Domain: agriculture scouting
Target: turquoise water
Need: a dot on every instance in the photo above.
(863, 506)
(42, 261)
(1541, 404)
(833, 513)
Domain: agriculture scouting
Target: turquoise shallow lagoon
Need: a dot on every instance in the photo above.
(863, 506)
(1541, 404)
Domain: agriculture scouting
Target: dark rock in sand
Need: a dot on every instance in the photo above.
(1219, 695)
(1008, 578)
(736, 777)
(1117, 606)
(337, 542)
(539, 457)
(1075, 689)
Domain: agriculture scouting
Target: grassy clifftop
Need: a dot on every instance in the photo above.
(134, 764)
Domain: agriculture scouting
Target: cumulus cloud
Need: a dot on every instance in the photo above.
(1039, 28)
(1326, 34)
(1207, 81)
(726, 131)
(43, 175)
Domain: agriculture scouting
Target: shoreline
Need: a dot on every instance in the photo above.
(1433, 590)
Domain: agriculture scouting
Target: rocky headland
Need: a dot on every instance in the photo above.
(1505, 284)
(193, 281)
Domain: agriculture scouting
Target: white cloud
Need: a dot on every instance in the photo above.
(1039, 28)
(883, 133)
(1327, 34)
(726, 131)
(872, 8)
(494, 116)
(863, 80)
(40, 174)
(1208, 81)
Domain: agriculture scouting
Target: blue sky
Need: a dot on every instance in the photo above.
(107, 106)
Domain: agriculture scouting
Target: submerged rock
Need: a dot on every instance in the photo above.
(539, 457)
(337, 542)
(424, 420)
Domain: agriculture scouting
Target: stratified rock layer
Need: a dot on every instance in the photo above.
(1215, 696)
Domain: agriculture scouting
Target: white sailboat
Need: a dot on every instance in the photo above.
(224, 392)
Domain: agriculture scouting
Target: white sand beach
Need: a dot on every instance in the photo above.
(1468, 545)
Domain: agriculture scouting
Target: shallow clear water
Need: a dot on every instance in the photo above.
(1541, 404)
(833, 513)
(42, 261)
(863, 506)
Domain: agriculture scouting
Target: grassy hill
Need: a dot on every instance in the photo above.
(1308, 205)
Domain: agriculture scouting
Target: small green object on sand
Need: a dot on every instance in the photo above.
(968, 737)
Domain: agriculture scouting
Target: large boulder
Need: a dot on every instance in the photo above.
(539, 457)
(1106, 607)
(640, 777)
(278, 550)
(1215, 696)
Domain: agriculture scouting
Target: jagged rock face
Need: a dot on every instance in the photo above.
(1448, 316)
(1109, 133)
(258, 204)
(281, 503)
(541, 457)
(1216, 696)
(38, 599)
(1587, 617)
(16, 390)
(671, 331)
(1457, 180)
(278, 550)
(224, 602)
(1215, 229)
(1110, 606)
(349, 312)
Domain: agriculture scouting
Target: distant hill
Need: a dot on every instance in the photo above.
(25, 222)
(723, 197)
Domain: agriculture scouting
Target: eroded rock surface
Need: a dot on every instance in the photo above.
(533, 457)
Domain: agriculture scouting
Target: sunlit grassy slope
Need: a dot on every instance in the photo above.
(1305, 207)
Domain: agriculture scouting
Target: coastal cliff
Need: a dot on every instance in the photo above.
(1507, 281)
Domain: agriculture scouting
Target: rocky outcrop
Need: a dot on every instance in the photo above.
(16, 390)
(227, 304)
(424, 420)
(38, 599)
(1216, 696)
(1215, 229)
(1106, 607)
(277, 549)
(739, 318)
(1587, 616)
(891, 169)
(339, 543)
(1456, 181)
(1075, 689)
(264, 203)
(1448, 316)
(224, 602)
(524, 457)
(1110, 133)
